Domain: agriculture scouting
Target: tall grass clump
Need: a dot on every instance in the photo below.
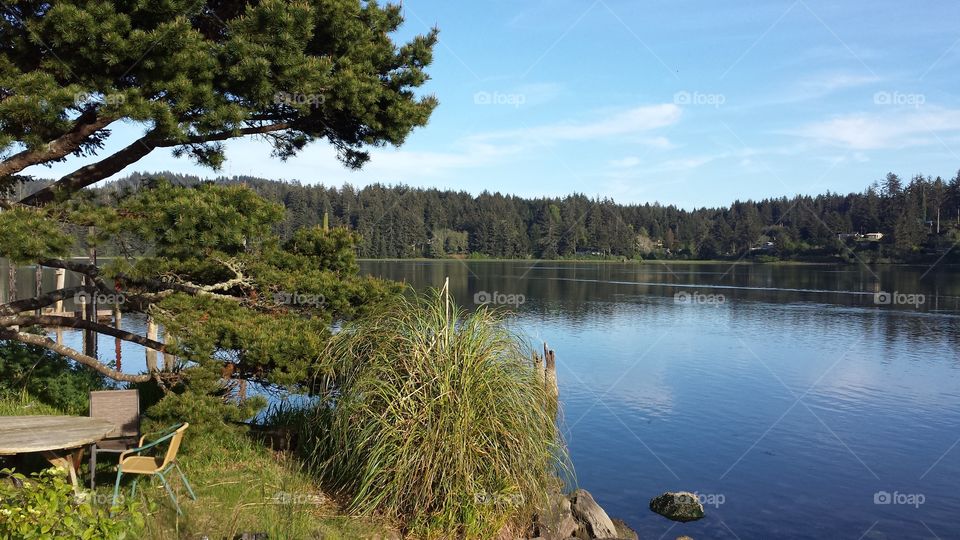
(436, 419)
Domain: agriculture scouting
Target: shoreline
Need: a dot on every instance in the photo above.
(661, 262)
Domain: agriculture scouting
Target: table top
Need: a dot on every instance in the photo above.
(22, 434)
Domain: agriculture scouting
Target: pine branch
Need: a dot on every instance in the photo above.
(87, 124)
(95, 172)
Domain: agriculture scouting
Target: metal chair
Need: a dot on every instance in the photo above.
(151, 465)
(121, 408)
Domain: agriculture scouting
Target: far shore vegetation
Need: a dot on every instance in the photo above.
(891, 221)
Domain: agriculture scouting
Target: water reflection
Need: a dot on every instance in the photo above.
(798, 397)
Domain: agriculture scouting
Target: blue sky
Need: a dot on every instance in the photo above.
(686, 103)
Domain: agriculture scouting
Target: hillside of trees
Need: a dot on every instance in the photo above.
(919, 220)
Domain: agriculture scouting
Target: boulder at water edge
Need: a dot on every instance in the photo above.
(680, 506)
(586, 510)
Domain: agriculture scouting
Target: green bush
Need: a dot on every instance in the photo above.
(23, 404)
(44, 507)
(52, 379)
(436, 419)
(201, 401)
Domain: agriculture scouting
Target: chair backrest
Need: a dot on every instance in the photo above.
(174, 445)
(119, 407)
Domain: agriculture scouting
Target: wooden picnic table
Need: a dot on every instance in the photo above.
(60, 439)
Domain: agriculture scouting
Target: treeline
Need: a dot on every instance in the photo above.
(917, 218)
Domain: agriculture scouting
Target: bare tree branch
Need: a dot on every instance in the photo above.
(92, 271)
(238, 279)
(44, 300)
(63, 350)
(73, 322)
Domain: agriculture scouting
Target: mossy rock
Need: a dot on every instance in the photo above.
(681, 506)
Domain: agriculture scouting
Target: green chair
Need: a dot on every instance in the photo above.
(130, 463)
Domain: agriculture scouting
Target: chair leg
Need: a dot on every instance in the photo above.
(184, 478)
(133, 492)
(116, 490)
(170, 492)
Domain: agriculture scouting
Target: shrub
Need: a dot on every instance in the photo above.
(47, 376)
(437, 419)
(44, 507)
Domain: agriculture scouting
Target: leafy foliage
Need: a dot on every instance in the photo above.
(186, 224)
(401, 221)
(49, 377)
(236, 302)
(43, 507)
(197, 73)
(29, 235)
(437, 419)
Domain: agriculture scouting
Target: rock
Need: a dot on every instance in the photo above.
(596, 523)
(557, 521)
(680, 506)
(624, 532)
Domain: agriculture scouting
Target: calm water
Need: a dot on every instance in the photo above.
(789, 404)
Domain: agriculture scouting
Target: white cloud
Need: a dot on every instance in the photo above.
(620, 123)
(822, 84)
(900, 129)
(625, 163)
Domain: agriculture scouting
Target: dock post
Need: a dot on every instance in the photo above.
(12, 286)
(550, 370)
(38, 282)
(168, 358)
(90, 347)
(11, 281)
(117, 322)
(61, 283)
(152, 332)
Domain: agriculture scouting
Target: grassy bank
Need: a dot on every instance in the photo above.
(241, 487)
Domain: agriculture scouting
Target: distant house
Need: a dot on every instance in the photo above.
(873, 236)
(767, 246)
